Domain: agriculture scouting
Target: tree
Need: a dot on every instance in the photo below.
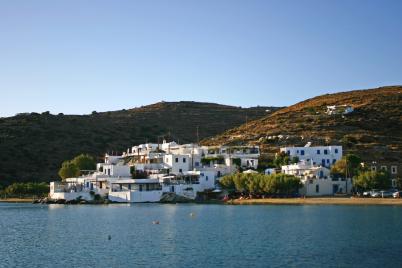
(69, 170)
(372, 180)
(84, 162)
(348, 166)
(281, 159)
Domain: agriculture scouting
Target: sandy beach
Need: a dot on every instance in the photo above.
(318, 201)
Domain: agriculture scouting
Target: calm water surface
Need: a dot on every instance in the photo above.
(218, 235)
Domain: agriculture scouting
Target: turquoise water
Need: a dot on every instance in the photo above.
(216, 236)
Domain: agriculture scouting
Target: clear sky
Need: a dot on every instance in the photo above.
(76, 56)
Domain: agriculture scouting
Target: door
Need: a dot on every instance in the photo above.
(335, 188)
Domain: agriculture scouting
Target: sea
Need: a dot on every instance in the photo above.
(199, 235)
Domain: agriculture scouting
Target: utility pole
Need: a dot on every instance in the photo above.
(198, 136)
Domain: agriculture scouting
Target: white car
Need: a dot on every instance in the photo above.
(397, 194)
(375, 193)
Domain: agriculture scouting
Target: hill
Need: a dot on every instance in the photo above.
(33, 146)
(373, 129)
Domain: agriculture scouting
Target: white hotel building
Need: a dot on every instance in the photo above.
(324, 156)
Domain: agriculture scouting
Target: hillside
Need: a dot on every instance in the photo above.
(33, 146)
(373, 129)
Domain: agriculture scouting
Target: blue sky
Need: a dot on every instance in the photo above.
(76, 56)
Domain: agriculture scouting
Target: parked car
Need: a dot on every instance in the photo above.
(385, 194)
(375, 193)
(366, 194)
(397, 194)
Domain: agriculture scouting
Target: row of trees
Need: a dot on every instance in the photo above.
(26, 189)
(372, 180)
(75, 167)
(363, 179)
(261, 184)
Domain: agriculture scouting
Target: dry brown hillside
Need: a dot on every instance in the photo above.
(33, 146)
(373, 130)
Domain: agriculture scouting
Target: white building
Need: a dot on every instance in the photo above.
(316, 180)
(166, 168)
(317, 155)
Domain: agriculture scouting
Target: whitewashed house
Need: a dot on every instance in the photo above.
(167, 168)
(317, 180)
(316, 155)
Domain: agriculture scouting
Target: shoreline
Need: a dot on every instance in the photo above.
(16, 200)
(319, 201)
(280, 201)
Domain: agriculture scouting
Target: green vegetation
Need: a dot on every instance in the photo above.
(349, 166)
(283, 159)
(208, 160)
(74, 168)
(261, 184)
(236, 161)
(372, 180)
(84, 162)
(264, 162)
(26, 190)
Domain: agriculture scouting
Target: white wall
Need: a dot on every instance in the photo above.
(325, 187)
(182, 165)
(317, 154)
(117, 170)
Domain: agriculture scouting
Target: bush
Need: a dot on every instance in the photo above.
(208, 160)
(27, 189)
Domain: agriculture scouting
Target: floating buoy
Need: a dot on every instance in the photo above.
(109, 237)
(192, 214)
(155, 222)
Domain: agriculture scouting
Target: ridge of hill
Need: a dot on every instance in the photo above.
(373, 129)
(33, 145)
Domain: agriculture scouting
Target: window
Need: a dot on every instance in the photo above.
(197, 164)
(373, 168)
(327, 161)
(318, 152)
(333, 161)
(394, 169)
(180, 170)
(184, 160)
(288, 152)
(384, 168)
(317, 188)
(206, 178)
(323, 162)
(177, 160)
(302, 152)
(336, 151)
(297, 152)
(325, 151)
